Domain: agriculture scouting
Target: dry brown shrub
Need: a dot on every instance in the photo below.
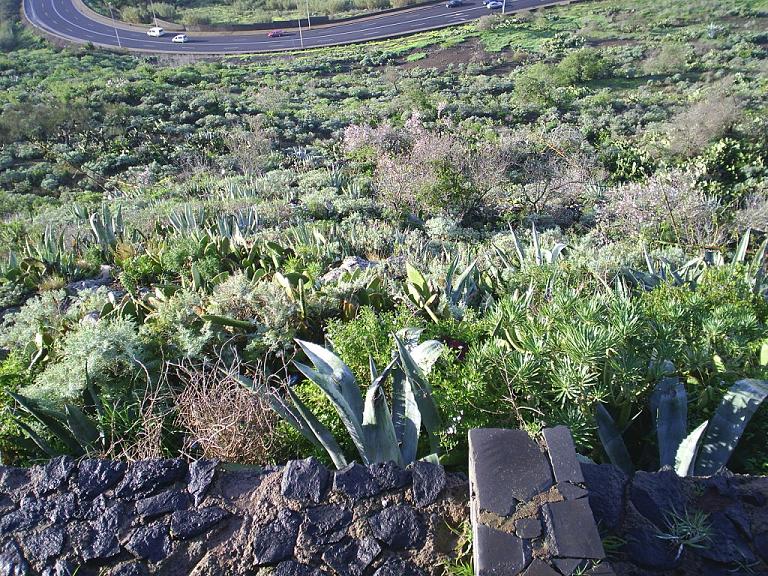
(223, 419)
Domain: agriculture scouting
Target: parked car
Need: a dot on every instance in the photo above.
(494, 5)
(277, 34)
(180, 38)
(155, 31)
(454, 4)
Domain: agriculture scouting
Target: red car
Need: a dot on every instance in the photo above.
(276, 34)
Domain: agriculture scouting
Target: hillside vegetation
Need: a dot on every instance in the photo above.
(556, 197)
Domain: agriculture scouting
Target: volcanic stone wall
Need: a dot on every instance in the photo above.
(170, 518)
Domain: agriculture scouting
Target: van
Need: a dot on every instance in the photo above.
(155, 31)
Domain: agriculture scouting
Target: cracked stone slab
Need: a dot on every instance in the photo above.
(506, 467)
(276, 541)
(571, 530)
(540, 568)
(305, 480)
(498, 553)
(562, 454)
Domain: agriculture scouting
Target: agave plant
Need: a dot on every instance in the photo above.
(459, 289)
(705, 450)
(379, 435)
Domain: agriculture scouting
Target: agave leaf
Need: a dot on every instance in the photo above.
(764, 354)
(741, 250)
(406, 417)
(536, 246)
(330, 365)
(37, 439)
(316, 432)
(557, 250)
(231, 322)
(82, 427)
(671, 415)
(613, 444)
(422, 394)
(377, 426)
(352, 420)
(426, 354)
(518, 248)
(685, 458)
(728, 423)
(53, 420)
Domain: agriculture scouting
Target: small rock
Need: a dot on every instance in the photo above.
(753, 499)
(499, 553)
(30, 513)
(96, 476)
(728, 546)
(760, 542)
(6, 505)
(291, 568)
(12, 563)
(571, 530)
(304, 480)
(656, 495)
(570, 491)
(130, 569)
(528, 528)
(201, 473)
(567, 566)
(428, 481)
(150, 543)
(149, 476)
(400, 527)
(562, 454)
(63, 508)
(602, 569)
(398, 567)
(324, 525)
(61, 568)
(168, 501)
(52, 475)
(349, 264)
(738, 515)
(539, 568)
(647, 550)
(276, 541)
(390, 476)
(352, 557)
(606, 485)
(356, 482)
(43, 545)
(190, 523)
(12, 479)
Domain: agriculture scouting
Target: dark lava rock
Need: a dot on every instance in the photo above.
(131, 569)
(30, 513)
(352, 557)
(61, 568)
(325, 525)
(507, 466)
(190, 523)
(291, 568)
(738, 515)
(562, 454)
(539, 568)
(606, 485)
(721, 484)
(728, 546)
(11, 479)
(149, 476)
(304, 480)
(656, 495)
(398, 567)
(356, 482)
(201, 474)
(276, 540)
(428, 481)
(52, 475)
(571, 530)
(63, 508)
(43, 545)
(150, 543)
(389, 476)
(12, 563)
(168, 501)
(97, 476)
(760, 543)
(400, 527)
(499, 553)
(567, 566)
(646, 549)
(602, 569)
(100, 540)
(571, 491)
(6, 505)
(528, 528)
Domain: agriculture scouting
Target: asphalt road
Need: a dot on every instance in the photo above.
(60, 18)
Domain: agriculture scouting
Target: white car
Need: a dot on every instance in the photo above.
(180, 38)
(495, 5)
(155, 32)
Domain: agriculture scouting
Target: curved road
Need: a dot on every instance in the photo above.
(62, 19)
